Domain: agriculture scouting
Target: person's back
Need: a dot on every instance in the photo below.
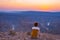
(35, 31)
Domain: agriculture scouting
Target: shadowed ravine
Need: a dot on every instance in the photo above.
(23, 21)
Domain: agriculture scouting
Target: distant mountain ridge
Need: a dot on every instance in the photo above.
(32, 13)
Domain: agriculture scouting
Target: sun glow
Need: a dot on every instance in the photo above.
(30, 4)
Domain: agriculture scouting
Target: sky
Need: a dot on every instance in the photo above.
(37, 5)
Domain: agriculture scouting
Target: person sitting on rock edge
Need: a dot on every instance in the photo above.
(35, 31)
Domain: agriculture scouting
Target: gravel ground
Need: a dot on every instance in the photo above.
(25, 36)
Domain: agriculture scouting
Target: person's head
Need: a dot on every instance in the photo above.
(35, 24)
